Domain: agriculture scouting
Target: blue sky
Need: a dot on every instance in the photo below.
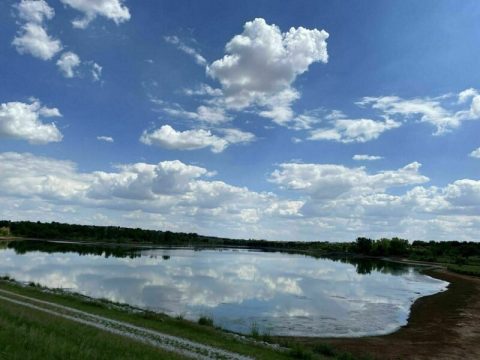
(305, 120)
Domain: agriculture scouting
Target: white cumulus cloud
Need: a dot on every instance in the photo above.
(34, 11)
(323, 201)
(178, 193)
(145, 181)
(330, 181)
(114, 10)
(33, 39)
(169, 138)
(68, 63)
(262, 63)
(475, 153)
(24, 121)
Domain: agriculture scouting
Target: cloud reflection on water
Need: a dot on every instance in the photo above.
(283, 294)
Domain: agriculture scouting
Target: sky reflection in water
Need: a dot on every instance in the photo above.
(282, 294)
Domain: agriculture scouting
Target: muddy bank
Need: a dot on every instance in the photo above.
(441, 326)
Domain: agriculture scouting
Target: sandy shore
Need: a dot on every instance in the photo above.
(441, 326)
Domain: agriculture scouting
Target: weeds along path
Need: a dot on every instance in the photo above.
(166, 342)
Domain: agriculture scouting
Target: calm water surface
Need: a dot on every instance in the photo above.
(282, 294)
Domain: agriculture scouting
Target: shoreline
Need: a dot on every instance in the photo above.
(440, 326)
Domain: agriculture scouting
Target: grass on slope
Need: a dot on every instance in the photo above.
(472, 270)
(30, 334)
(52, 328)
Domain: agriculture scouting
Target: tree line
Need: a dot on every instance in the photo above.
(442, 251)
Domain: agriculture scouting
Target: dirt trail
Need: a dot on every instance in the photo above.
(166, 342)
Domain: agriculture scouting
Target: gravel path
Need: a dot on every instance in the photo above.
(166, 342)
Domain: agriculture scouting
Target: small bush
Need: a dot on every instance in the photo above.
(266, 337)
(151, 315)
(324, 349)
(205, 321)
(4, 231)
(300, 353)
(254, 331)
(346, 356)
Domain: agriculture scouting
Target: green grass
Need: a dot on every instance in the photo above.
(30, 334)
(205, 321)
(473, 270)
(62, 333)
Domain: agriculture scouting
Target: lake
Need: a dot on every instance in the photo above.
(276, 293)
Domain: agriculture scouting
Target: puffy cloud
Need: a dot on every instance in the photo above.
(256, 74)
(349, 200)
(364, 157)
(475, 153)
(111, 9)
(211, 194)
(463, 193)
(262, 64)
(327, 181)
(333, 201)
(353, 130)
(169, 138)
(467, 94)
(33, 39)
(199, 59)
(105, 138)
(68, 63)
(71, 66)
(440, 112)
(24, 121)
(145, 181)
(34, 11)
(181, 194)
(27, 175)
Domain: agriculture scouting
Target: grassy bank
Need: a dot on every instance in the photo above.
(29, 334)
(434, 326)
(472, 270)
